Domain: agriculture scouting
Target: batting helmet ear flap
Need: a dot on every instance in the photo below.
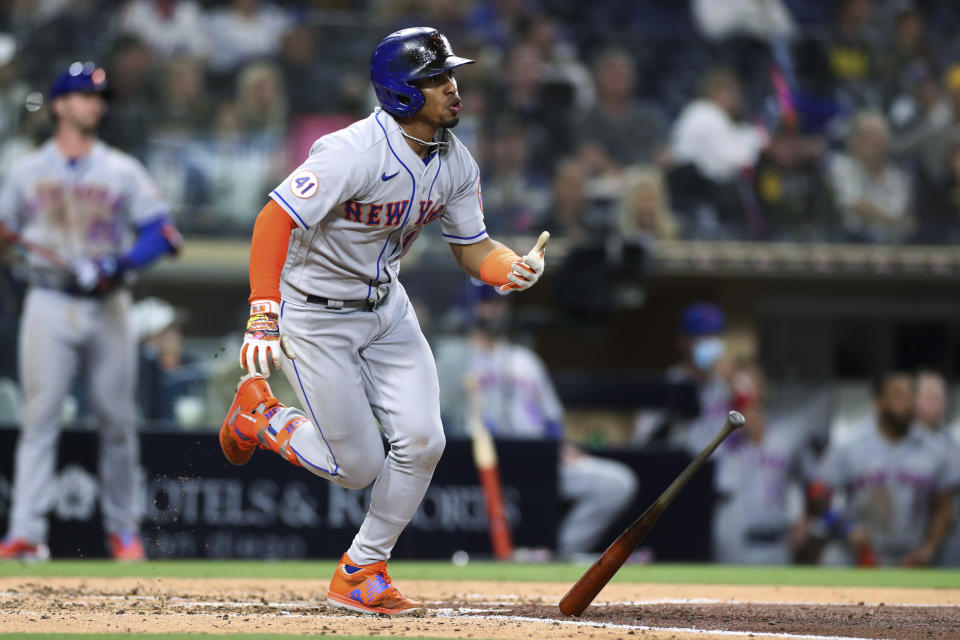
(405, 56)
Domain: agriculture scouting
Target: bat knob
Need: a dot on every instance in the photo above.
(736, 419)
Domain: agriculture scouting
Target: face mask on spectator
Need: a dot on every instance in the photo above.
(706, 352)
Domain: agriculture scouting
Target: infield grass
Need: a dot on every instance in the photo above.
(501, 572)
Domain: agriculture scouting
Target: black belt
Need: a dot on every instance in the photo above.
(366, 305)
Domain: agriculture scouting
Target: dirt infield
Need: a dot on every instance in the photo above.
(511, 611)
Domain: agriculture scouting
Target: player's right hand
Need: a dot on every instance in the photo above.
(528, 269)
(262, 341)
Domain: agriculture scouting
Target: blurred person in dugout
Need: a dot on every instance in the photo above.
(757, 471)
(519, 401)
(702, 345)
(171, 383)
(931, 419)
(892, 485)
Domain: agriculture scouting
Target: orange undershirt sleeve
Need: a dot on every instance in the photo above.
(268, 251)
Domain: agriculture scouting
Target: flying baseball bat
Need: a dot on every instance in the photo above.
(590, 583)
(488, 469)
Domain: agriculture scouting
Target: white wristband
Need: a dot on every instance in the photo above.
(265, 306)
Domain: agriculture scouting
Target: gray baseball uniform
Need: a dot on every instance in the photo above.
(359, 200)
(81, 209)
(949, 555)
(751, 519)
(888, 485)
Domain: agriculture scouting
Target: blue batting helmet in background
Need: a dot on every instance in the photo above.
(701, 319)
(408, 55)
(80, 77)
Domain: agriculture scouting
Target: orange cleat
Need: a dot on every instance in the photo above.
(127, 547)
(23, 550)
(368, 589)
(238, 435)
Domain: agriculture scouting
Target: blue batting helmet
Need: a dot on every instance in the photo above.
(408, 55)
(701, 319)
(80, 77)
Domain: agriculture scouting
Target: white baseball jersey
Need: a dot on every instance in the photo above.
(888, 486)
(361, 198)
(83, 208)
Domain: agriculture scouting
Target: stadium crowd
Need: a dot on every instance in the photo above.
(720, 119)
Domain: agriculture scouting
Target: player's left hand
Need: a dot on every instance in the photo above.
(262, 341)
(94, 274)
(528, 269)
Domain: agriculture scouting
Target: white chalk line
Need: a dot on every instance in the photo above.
(633, 627)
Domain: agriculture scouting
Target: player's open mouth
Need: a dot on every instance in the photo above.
(456, 107)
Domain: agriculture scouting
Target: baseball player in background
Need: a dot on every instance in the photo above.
(896, 481)
(87, 216)
(324, 261)
(519, 401)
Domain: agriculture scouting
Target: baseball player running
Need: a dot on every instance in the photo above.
(324, 261)
(88, 216)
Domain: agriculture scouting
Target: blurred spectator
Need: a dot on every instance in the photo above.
(514, 196)
(644, 206)
(938, 203)
(931, 416)
(704, 364)
(518, 401)
(170, 382)
(909, 45)
(894, 481)
(872, 195)
(918, 110)
(792, 193)
(496, 23)
(169, 27)
(939, 139)
(134, 106)
(53, 32)
(244, 30)
(246, 155)
(303, 72)
(13, 90)
(753, 520)
(571, 214)
(186, 108)
(707, 135)
(519, 92)
(619, 127)
(710, 149)
(759, 19)
(261, 100)
(562, 68)
(844, 64)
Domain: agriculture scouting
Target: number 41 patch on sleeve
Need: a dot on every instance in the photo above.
(304, 183)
